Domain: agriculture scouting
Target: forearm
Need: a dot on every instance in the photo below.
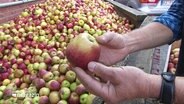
(152, 35)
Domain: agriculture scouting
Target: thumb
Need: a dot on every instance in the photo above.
(104, 72)
(110, 39)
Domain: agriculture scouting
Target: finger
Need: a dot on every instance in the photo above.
(91, 84)
(104, 72)
(110, 39)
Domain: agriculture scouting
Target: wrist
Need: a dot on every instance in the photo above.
(130, 42)
(154, 86)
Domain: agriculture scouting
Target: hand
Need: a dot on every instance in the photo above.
(112, 48)
(121, 84)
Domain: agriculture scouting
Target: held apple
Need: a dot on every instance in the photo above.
(82, 49)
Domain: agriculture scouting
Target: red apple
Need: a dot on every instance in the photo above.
(80, 89)
(43, 100)
(39, 83)
(84, 45)
(54, 85)
(74, 98)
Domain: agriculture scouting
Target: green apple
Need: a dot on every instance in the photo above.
(77, 81)
(63, 68)
(65, 83)
(36, 100)
(83, 98)
(55, 60)
(86, 27)
(73, 86)
(81, 22)
(42, 65)
(44, 91)
(36, 66)
(1, 94)
(24, 14)
(92, 31)
(38, 11)
(70, 76)
(65, 93)
(32, 89)
(90, 99)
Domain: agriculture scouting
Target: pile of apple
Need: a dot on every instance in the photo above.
(33, 65)
(173, 60)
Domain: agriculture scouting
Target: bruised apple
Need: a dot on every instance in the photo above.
(82, 49)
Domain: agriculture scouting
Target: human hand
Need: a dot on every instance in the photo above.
(112, 48)
(120, 84)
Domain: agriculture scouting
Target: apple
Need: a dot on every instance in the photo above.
(83, 98)
(44, 91)
(27, 79)
(42, 65)
(20, 94)
(175, 50)
(92, 31)
(63, 68)
(39, 83)
(17, 81)
(27, 102)
(24, 14)
(175, 61)
(90, 99)
(36, 100)
(32, 89)
(62, 102)
(11, 86)
(23, 85)
(54, 85)
(38, 11)
(70, 76)
(86, 27)
(18, 73)
(81, 22)
(65, 93)
(1, 94)
(54, 67)
(44, 100)
(7, 93)
(61, 78)
(74, 98)
(48, 76)
(2, 88)
(36, 66)
(54, 97)
(84, 45)
(65, 83)
(6, 82)
(172, 70)
(80, 89)
(73, 86)
(2, 101)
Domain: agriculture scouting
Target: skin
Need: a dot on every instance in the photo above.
(127, 82)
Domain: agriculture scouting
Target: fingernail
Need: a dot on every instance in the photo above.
(91, 66)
